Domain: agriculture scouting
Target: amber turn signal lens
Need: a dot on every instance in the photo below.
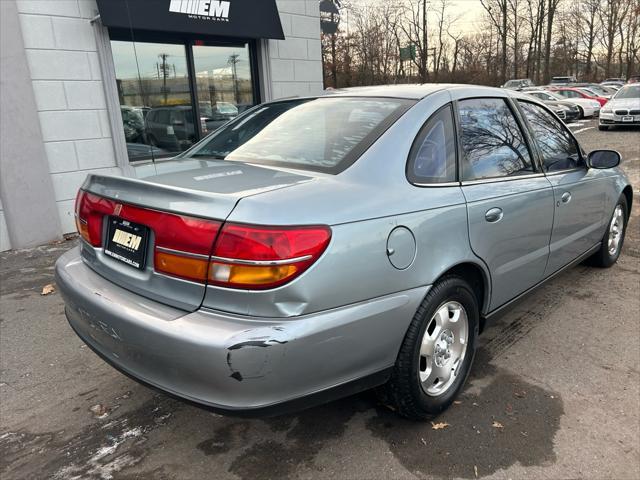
(83, 229)
(190, 268)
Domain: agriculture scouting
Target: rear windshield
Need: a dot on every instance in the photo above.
(325, 134)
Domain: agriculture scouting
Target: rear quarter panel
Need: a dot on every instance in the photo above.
(362, 205)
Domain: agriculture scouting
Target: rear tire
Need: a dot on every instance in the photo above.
(437, 352)
(581, 115)
(613, 238)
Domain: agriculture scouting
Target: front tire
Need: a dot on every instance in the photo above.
(437, 352)
(613, 238)
(604, 128)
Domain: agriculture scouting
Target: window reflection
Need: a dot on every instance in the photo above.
(223, 79)
(558, 149)
(155, 97)
(491, 140)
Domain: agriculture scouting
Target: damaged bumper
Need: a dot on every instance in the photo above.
(236, 363)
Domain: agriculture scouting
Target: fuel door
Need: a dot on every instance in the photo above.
(401, 248)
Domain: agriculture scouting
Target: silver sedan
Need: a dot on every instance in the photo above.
(315, 247)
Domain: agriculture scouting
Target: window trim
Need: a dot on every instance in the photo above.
(566, 129)
(521, 126)
(412, 179)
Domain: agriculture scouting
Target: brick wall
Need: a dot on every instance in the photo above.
(296, 62)
(67, 83)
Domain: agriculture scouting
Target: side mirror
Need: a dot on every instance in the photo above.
(603, 159)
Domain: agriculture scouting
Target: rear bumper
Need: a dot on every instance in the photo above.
(234, 363)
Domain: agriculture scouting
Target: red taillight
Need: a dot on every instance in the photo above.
(244, 256)
(256, 257)
(182, 243)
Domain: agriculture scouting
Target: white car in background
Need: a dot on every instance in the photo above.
(588, 108)
(622, 109)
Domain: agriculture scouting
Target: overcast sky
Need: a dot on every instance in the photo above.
(468, 11)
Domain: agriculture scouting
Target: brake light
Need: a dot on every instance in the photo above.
(182, 243)
(256, 257)
(244, 256)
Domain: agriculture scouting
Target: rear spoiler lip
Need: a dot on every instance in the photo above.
(157, 196)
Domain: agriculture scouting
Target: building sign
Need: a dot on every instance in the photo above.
(221, 18)
(202, 9)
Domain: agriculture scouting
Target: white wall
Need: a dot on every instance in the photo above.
(61, 51)
(5, 243)
(67, 82)
(296, 62)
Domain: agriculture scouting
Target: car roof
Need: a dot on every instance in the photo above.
(411, 91)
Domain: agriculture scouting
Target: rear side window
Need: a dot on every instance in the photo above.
(492, 142)
(558, 148)
(433, 154)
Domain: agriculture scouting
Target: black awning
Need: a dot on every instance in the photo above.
(229, 18)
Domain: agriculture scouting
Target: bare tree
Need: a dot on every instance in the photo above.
(497, 10)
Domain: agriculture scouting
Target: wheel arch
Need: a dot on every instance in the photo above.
(480, 281)
(628, 193)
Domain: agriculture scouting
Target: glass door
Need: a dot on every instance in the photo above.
(224, 83)
(155, 98)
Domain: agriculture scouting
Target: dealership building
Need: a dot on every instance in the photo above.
(114, 86)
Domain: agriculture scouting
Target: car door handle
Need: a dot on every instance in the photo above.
(566, 197)
(493, 215)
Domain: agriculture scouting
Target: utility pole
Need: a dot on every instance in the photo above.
(164, 69)
(233, 61)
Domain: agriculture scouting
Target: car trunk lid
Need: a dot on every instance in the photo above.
(172, 217)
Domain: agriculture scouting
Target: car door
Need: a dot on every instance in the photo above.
(509, 202)
(579, 192)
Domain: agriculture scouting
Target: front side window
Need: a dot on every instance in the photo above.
(492, 142)
(323, 134)
(558, 148)
(433, 154)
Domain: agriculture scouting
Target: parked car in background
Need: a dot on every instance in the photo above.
(518, 84)
(217, 114)
(586, 108)
(325, 245)
(572, 93)
(615, 85)
(563, 80)
(597, 90)
(610, 89)
(564, 109)
(171, 127)
(634, 79)
(132, 123)
(622, 109)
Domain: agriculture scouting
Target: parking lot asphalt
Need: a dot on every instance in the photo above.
(554, 393)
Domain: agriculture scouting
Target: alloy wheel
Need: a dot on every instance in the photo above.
(616, 227)
(443, 348)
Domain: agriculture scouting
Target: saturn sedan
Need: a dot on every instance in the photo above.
(315, 247)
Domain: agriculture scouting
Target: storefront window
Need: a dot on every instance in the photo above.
(157, 104)
(155, 98)
(223, 79)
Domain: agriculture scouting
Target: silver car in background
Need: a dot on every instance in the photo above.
(312, 248)
(623, 108)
